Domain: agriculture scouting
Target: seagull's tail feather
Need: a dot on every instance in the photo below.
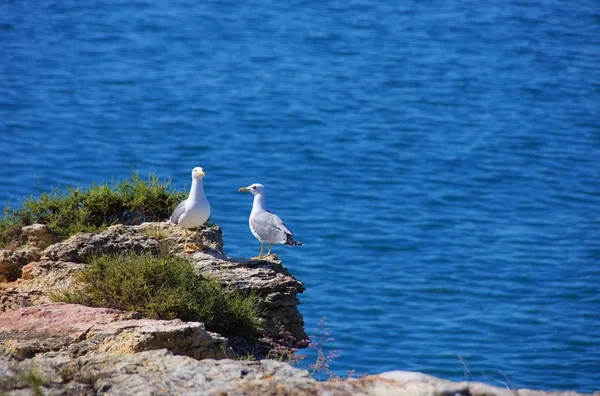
(290, 241)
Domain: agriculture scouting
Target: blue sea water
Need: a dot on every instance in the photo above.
(440, 160)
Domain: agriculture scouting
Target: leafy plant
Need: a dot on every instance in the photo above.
(163, 287)
(72, 210)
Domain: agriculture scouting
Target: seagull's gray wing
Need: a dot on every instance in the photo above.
(179, 210)
(270, 227)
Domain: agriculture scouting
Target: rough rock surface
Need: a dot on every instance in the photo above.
(11, 262)
(78, 330)
(159, 372)
(37, 236)
(52, 270)
(270, 280)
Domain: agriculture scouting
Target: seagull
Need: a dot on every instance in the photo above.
(194, 211)
(266, 226)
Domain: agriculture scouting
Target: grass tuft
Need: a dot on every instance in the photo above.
(72, 210)
(163, 287)
(156, 233)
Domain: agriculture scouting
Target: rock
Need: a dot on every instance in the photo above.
(416, 384)
(276, 288)
(115, 239)
(40, 280)
(79, 330)
(159, 372)
(37, 236)
(145, 373)
(147, 237)
(11, 262)
(270, 281)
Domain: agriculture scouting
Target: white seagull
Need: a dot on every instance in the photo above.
(266, 226)
(194, 211)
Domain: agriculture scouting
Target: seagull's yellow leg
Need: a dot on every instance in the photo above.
(197, 245)
(186, 248)
(260, 256)
(270, 246)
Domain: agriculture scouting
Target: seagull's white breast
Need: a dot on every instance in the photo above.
(196, 215)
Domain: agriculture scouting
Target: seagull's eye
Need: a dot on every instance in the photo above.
(254, 188)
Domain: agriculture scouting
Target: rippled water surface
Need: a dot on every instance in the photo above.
(440, 160)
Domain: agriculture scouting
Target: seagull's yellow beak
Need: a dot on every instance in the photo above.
(243, 189)
(201, 173)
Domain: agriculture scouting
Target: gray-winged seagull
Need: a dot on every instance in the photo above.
(266, 226)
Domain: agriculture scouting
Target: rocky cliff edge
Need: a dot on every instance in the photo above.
(64, 349)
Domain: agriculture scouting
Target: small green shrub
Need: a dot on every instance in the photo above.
(72, 210)
(34, 381)
(22, 381)
(163, 287)
(248, 357)
(156, 233)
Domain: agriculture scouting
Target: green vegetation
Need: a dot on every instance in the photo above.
(156, 233)
(72, 210)
(163, 287)
(72, 372)
(30, 379)
(248, 357)
(34, 381)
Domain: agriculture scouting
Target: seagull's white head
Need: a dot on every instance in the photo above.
(254, 189)
(197, 173)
